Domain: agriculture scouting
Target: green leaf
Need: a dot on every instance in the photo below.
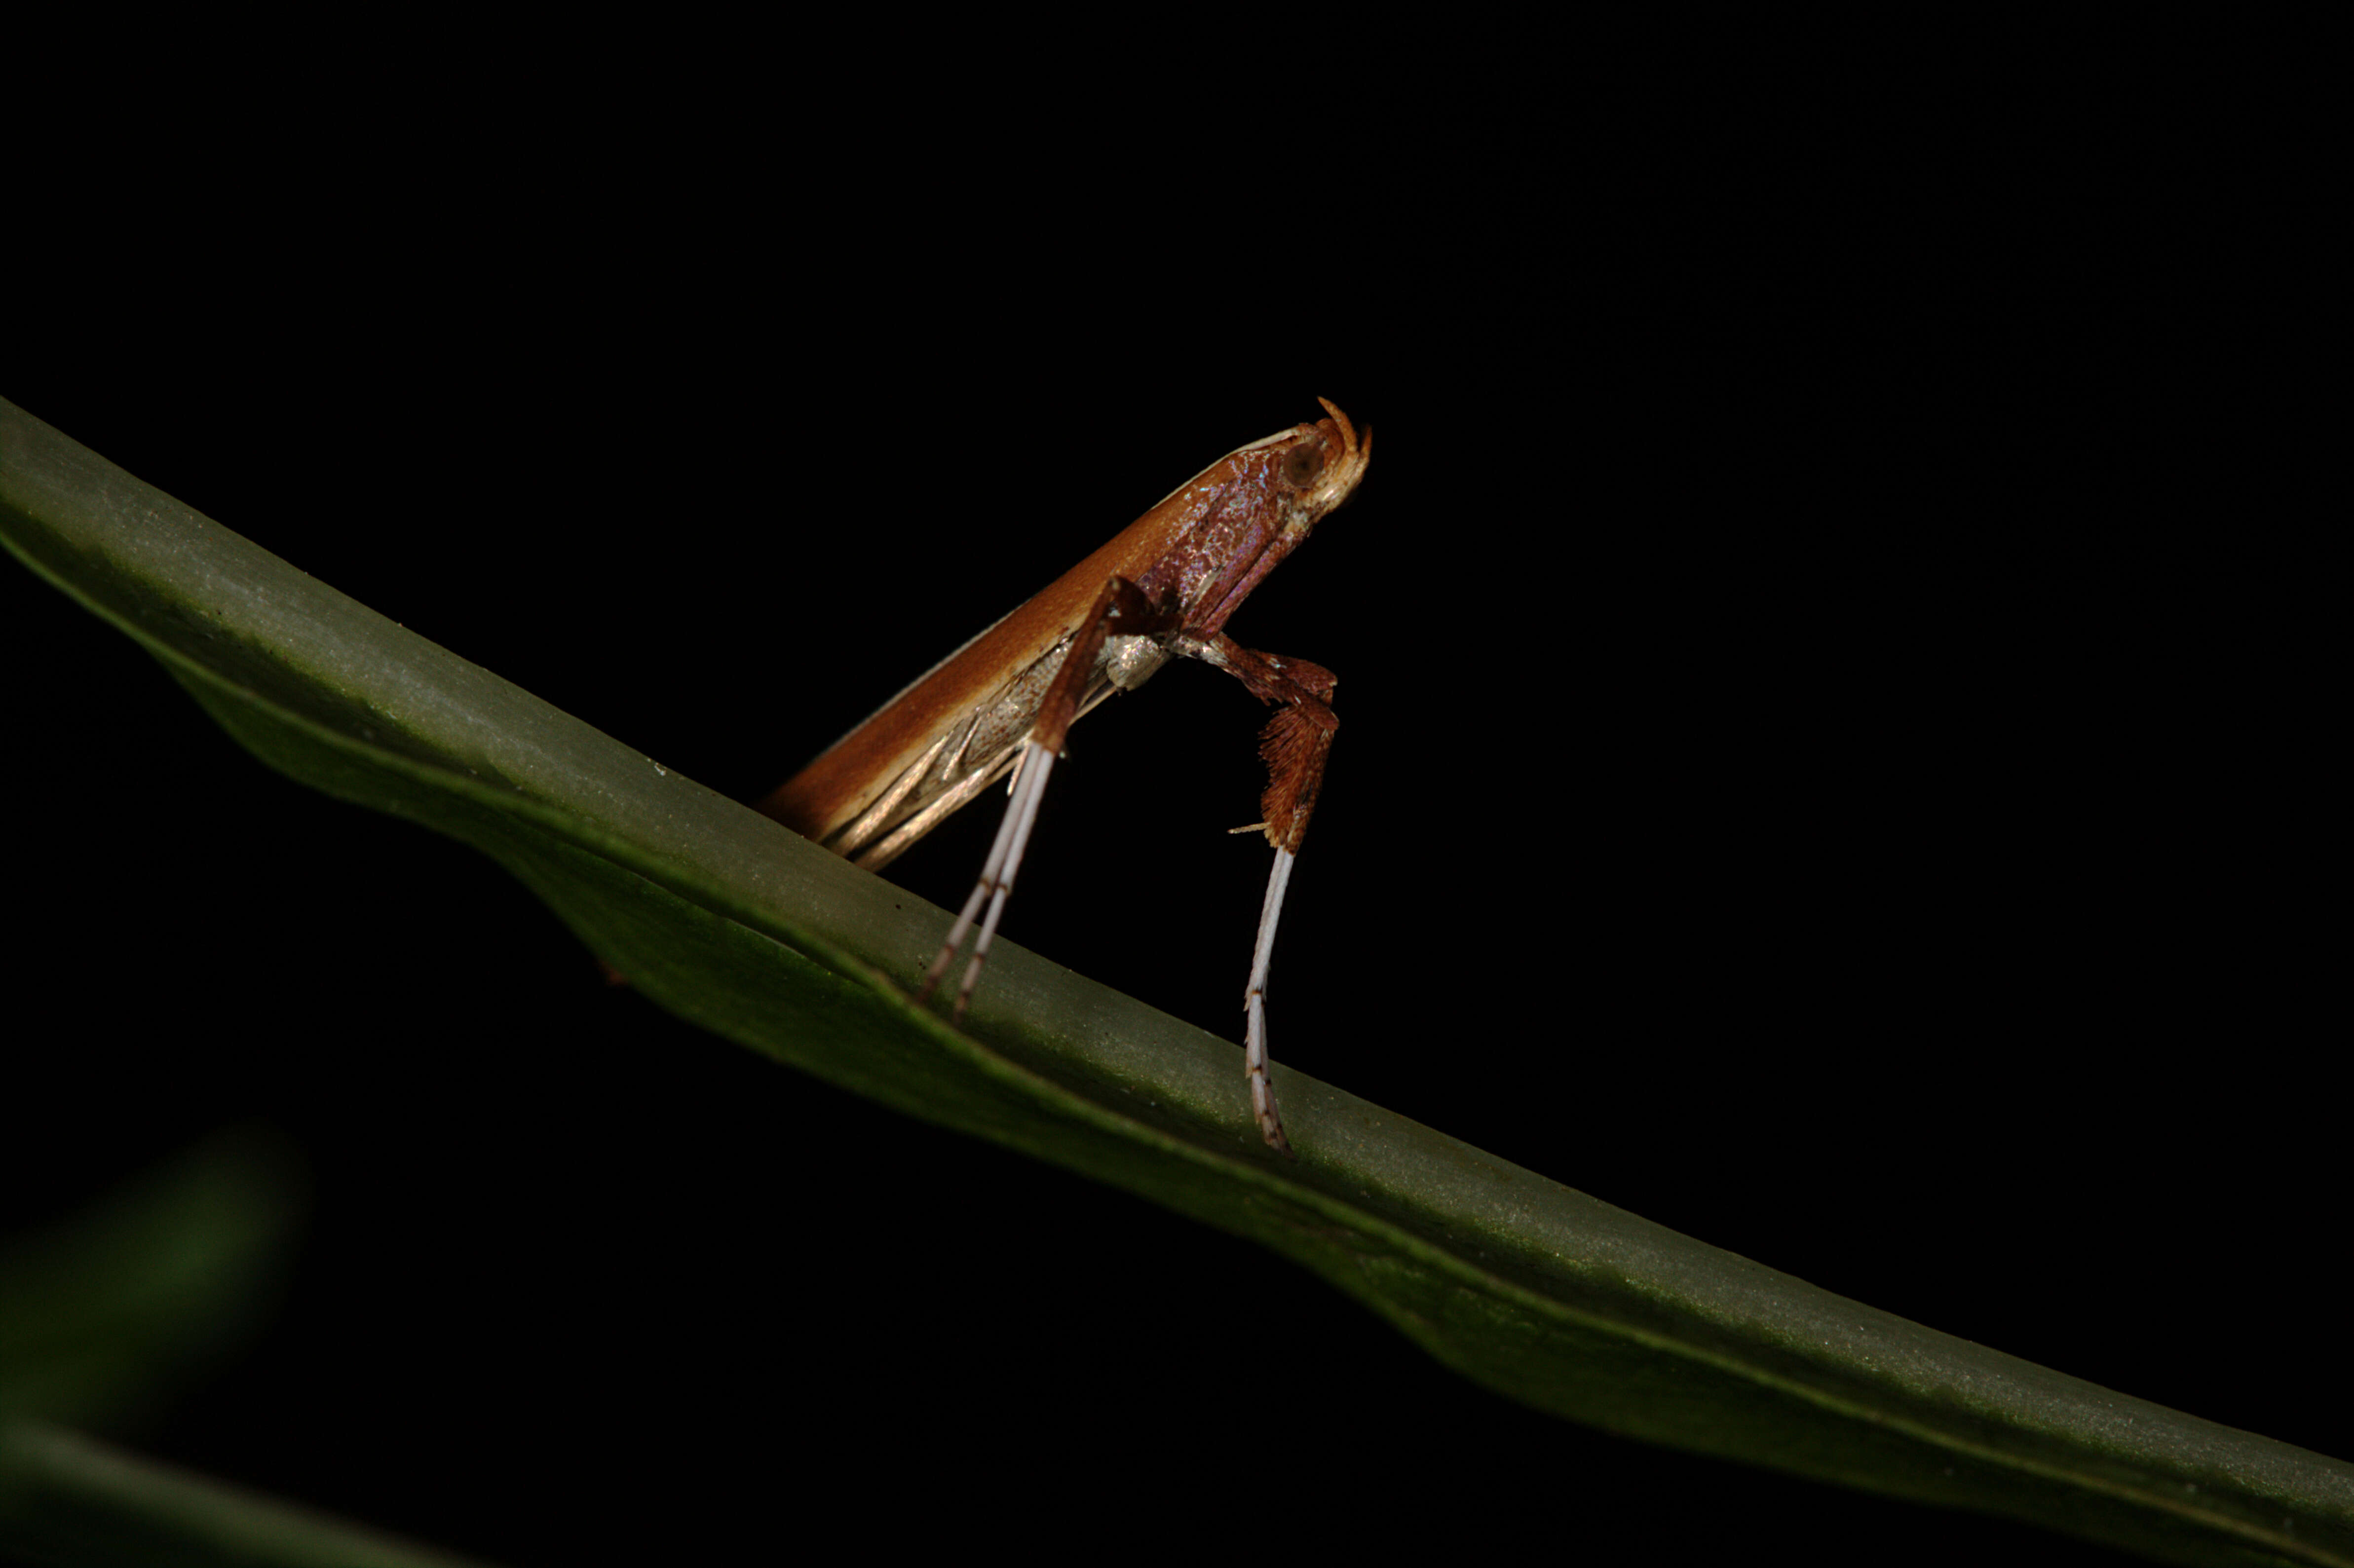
(101, 1316)
(1553, 1297)
(65, 1499)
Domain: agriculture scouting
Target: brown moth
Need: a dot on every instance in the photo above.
(1161, 589)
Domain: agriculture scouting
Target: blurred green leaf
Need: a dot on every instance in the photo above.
(67, 1499)
(103, 1315)
(1541, 1292)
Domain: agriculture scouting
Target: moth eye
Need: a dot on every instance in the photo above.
(1304, 463)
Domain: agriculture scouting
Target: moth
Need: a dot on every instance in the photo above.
(1161, 589)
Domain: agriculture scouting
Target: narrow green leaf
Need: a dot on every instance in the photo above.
(65, 1499)
(101, 1317)
(1544, 1293)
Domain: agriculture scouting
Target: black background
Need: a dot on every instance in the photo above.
(1798, 784)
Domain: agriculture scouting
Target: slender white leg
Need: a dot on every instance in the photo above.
(1262, 1090)
(996, 875)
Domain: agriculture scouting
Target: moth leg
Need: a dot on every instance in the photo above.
(1294, 745)
(1120, 610)
(996, 875)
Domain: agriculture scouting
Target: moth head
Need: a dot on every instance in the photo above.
(1320, 464)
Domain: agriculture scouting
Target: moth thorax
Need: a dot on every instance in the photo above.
(1130, 662)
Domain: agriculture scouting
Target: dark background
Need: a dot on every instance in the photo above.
(1800, 783)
